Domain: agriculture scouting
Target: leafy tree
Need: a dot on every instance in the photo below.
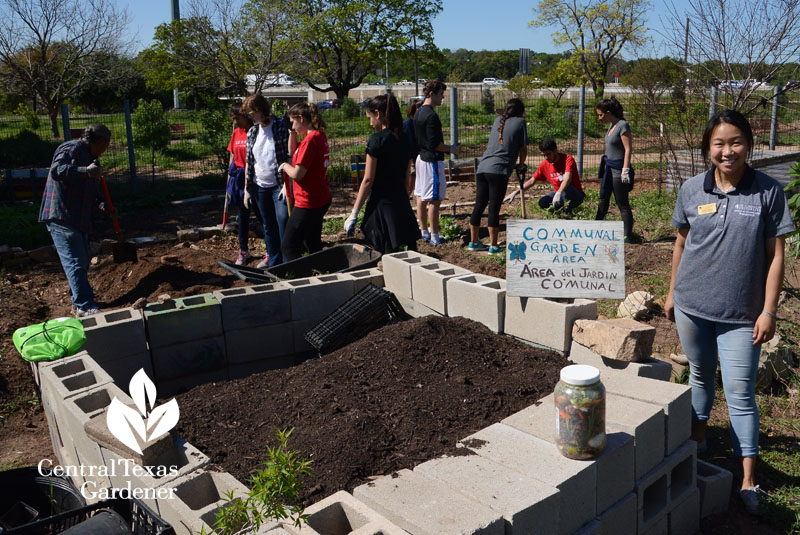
(343, 39)
(597, 31)
(108, 94)
(567, 73)
(215, 134)
(150, 128)
(521, 86)
(487, 100)
(45, 46)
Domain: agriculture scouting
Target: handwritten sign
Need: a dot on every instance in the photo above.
(559, 258)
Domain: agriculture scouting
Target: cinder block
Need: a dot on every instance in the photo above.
(189, 358)
(540, 460)
(121, 370)
(69, 377)
(342, 513)
(246, 369)
(615, 466)
(527, 505)
(592, 528)
(182, 320)
(675, 399)
(684, 516)
(620, 518)
(643, 421)
(659, 526)
(197, 497)
(254, 306)
(114, 334)
(415, 309)
(183, 460)
(714, 484)
(365, 277)
(546, 321)
(670, 482)
(298, 332)
(650, 368)
(478, 297)
(258, 343)
(316, 297)
(184, 383)
(397, 271)
(427, 507)
(429, 283)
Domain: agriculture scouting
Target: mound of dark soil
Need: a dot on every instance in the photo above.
(402, 395)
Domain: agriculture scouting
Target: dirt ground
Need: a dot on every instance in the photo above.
(34, 292)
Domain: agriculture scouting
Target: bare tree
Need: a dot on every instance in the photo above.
(45, 46)
(743, 40)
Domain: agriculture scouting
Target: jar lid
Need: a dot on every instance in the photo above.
(580, 374)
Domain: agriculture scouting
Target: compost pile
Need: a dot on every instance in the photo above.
(402, 395)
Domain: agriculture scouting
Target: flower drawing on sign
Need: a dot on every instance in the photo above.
(136, 428)
(517, 250)
(611, 251)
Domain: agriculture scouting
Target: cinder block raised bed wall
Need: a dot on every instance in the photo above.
(646, 481)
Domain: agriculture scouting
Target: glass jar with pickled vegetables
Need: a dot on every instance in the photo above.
(580, 400)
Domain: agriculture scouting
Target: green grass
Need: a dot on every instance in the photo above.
(15, 405)
(332, 225)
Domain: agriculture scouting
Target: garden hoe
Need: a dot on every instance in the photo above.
(123, 251)
(521, 172)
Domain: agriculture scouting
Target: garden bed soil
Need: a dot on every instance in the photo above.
(404, 394)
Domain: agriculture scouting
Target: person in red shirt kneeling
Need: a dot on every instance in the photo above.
(561, 171)
(308, 182)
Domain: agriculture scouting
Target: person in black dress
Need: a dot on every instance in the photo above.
(389, 223)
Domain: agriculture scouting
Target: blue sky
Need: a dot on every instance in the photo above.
(471, 24)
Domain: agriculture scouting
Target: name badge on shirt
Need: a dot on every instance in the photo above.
(705, 209)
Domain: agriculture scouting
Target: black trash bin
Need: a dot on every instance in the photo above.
(27, 495)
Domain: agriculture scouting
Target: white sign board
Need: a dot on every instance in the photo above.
(564, 258)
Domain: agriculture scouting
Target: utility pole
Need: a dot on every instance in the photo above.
(176, 15)
(416, 67)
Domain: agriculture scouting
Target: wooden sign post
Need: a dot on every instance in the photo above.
(564, 258)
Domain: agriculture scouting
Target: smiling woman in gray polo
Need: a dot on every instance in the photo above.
(727, 272)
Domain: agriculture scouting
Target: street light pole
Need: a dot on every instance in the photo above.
(416, 67)
(176, 15)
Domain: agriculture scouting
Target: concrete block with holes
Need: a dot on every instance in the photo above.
(342, 513)
(429, 283)
(366, 276)
(645, 422)
(650, 368)
(425, 506)
(526, 504)
(254, 306)
(684, 515)
(193, 357)
(397, 271)
(714, 484)
(668, 483)
(114, 334)
(675, 399)
(182, 320)
(619, 518)
(258, 343)
(540, 460)
(478, 297)
(547, 322)
(316, 297)
(69, 377)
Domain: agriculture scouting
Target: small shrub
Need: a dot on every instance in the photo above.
(487, 100)
(215, 134)
(449, 229)
(150, 128)
(350, 109)
(32, 120)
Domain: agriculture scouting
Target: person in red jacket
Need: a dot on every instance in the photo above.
(561, 171)
(307, 182)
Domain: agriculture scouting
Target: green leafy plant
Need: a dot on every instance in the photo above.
(150, 128)
(275, 491)
(349, 108)
(794, 207)
(215, 134)
(449, 229)
(32, 120)
(487, 100)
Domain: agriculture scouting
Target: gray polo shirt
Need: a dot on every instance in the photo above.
(723, 271)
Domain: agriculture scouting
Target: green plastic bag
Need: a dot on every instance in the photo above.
(51, 340)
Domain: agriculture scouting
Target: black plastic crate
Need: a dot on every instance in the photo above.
(140, 518)
(368, 310)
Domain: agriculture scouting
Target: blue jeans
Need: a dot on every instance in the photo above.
(703, 340)
(72, 246)
(274, 215)
(570, 194)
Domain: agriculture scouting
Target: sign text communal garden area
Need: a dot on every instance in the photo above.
(563, 258)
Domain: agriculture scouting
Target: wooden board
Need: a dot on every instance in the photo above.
(563, 258)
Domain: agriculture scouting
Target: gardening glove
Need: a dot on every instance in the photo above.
(510, 198)
(281, 166)
(626, 175)
(247, 200)
(350, 223)
(94, 170)
(557, 199)
(282, 194)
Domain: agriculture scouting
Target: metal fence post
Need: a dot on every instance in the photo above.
(712, 105)
(131, 152)
(453, 117)
(65, 122)
(773, 127)
(581, 121)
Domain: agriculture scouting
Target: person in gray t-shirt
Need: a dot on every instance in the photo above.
(508, 143)
(727, 272)
(615, 173)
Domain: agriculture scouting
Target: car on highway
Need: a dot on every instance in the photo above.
(378, 82)
(731, 84)
(792, 84)
(421, 98)
(489, 81)
(329, 103)
(405, 82)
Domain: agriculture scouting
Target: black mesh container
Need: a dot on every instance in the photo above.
(366, 311)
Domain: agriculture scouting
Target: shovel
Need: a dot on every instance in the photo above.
(123, 251)
(521, 178)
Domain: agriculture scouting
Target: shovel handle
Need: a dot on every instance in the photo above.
(111, 209)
